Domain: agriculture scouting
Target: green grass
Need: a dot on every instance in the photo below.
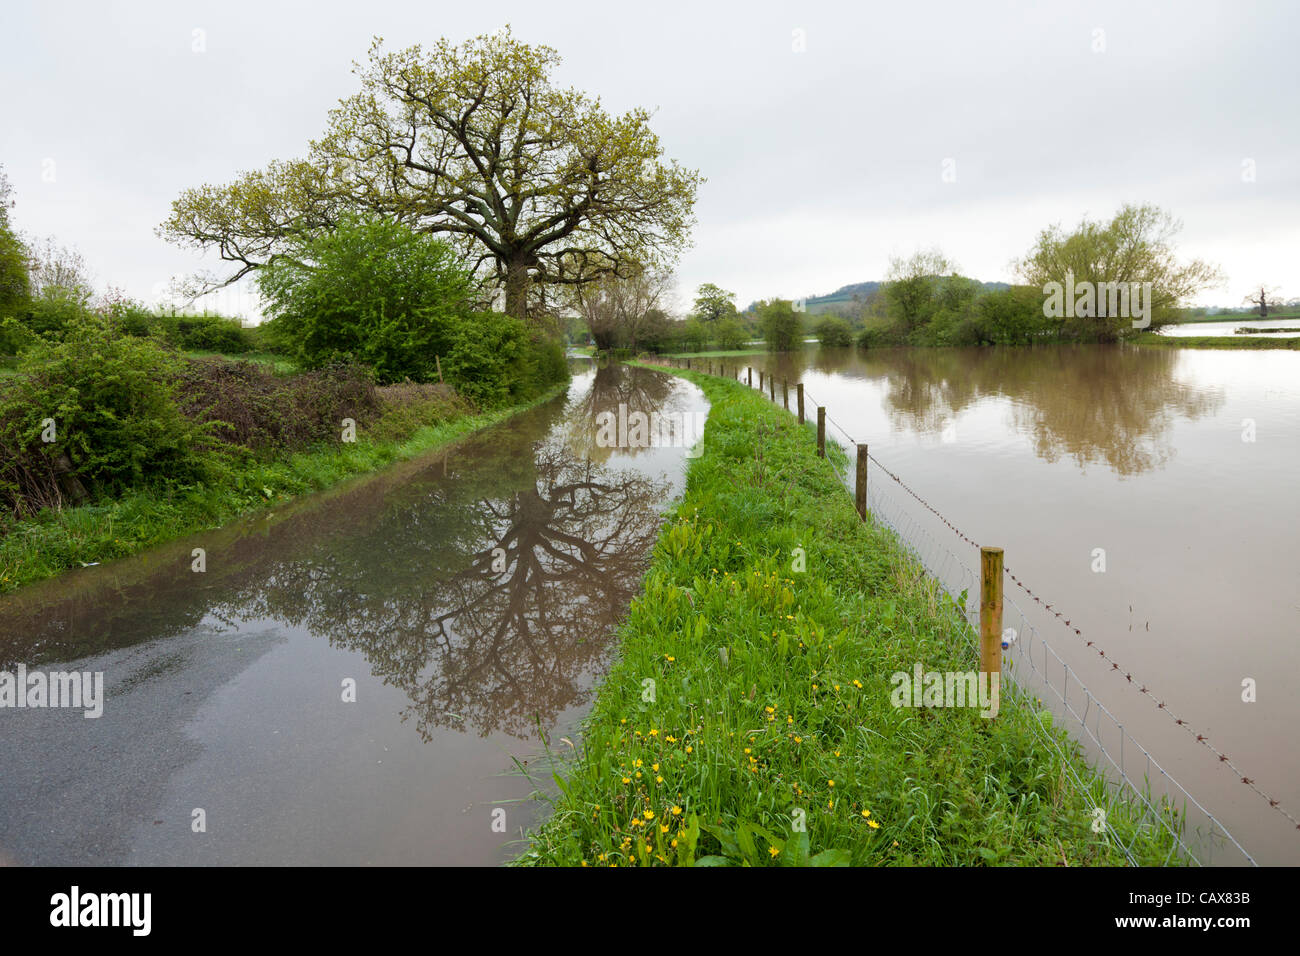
(55, 541)
(745, 686)
(1213, 341)
(280, 364)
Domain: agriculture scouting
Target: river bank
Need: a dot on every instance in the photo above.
(1154, 339)
(749, 718)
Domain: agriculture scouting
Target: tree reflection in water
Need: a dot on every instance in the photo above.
(1110, 404)
(490, 600)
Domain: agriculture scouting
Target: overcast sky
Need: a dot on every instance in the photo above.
(822, 128)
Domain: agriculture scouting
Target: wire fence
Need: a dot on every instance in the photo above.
(1033, 671)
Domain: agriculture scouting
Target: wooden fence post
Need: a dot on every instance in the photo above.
(439, 362)
(799, 389)
(785, 394)
(760, 380)
(821, 431)
(991, 612)
(771, 387)
(860, 492)
(749, 376)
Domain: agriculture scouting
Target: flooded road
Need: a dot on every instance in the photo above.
(350, 679)
(1149, 495)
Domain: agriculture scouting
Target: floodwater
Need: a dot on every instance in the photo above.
(1229, 328)
(352, 678)
(1181, 465)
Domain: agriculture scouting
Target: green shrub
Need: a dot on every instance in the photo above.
(694, 335)
(116, 423)
(492, 360)
(53, 310)
(1014, 317)
(373, 291)
(204, 333)
(406, 407)
(877, 337)
(15, 336)
(729, 333)
(834, 332)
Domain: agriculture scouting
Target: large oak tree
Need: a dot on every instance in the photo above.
(538, 185)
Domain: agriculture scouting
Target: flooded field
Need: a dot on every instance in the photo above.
(1286, 328)
(1147, 494)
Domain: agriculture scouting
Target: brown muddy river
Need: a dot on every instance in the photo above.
(1181, 466)
(351, 679)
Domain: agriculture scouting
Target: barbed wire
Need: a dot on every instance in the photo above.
(908, 531)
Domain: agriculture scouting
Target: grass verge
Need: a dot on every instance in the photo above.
(1214, 341)
(55, 541)
(749, 721)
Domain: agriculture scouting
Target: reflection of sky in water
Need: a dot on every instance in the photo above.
(1230, 327)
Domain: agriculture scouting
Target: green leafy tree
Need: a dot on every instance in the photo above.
(1135, 246)
(537, 185)
(15, 286)
(372, 290)
(912, 288)
(713, 303)
(781, 326)
(656, 331)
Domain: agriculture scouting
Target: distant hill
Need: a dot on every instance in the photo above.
(842, 298)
